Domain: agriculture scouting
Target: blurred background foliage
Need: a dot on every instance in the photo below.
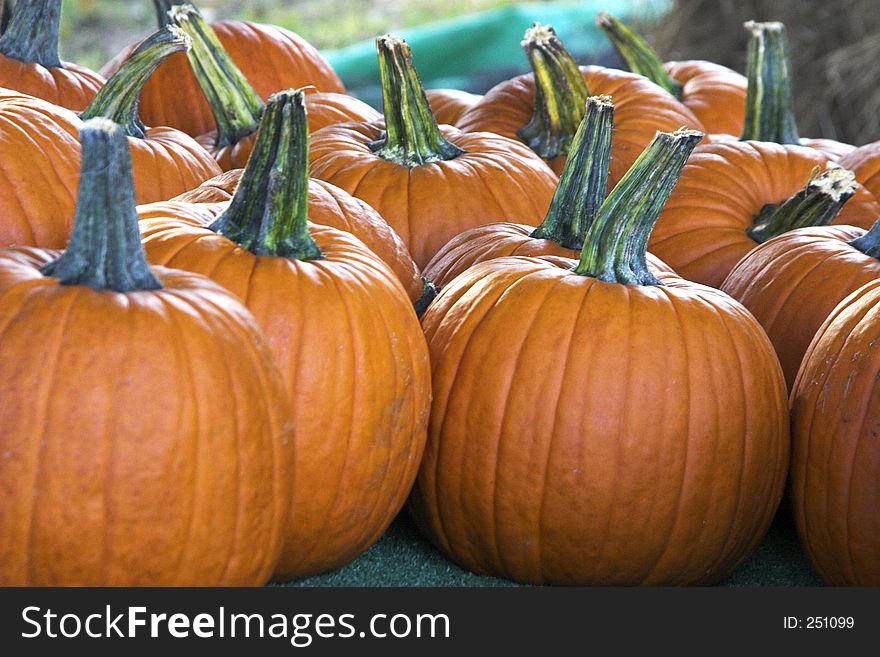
(835, 47)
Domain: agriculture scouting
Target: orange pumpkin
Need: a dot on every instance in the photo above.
(538, 465)
(793, 282)
(270, 57)
(733, 195)
(29, 61)
(835, 459)
(38, 204)
(546, 117)
(449, 104)
(338, 322)
(715, 94)
(148, 441)
(864, 162)
(578, 196)
(428, 182)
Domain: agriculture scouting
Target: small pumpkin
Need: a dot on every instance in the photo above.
(44, 165)
(338, 321)
(449, 104)
(429, 182)
(148, 441)
(835, 458)
(793, 282)
(30, 63)
(545, 115)
(715, 94)
(271, 58)
(538, 466)
(578, 196)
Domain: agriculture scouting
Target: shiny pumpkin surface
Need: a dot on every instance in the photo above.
(714, 93)
(150, 433)
(449, 104)
(865, 163)
(69, 86)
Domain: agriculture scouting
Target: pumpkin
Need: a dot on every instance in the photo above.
(864, 162)
(341, 328)
(269, 57)
(449, 104)
(734, 195)
(29, 60)
(578, 196)
(429, 182)
(538, 465)
(38, 207)
(835, 458)
(148, 441)
(715, 94)
(546, 116)
(793, 282)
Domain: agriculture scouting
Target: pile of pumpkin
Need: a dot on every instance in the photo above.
(233, 382)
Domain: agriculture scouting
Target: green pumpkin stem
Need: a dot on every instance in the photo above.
(769, 113)
(615, 247)
(635, 52)
(268, 215)
(236, 106)
(118, 99)
(5, 15)
(560, 94)
(32, 33)
(162, 9)
(869, 243)
(105, 250)
(815, 205)
(412, 137)
(584, 180)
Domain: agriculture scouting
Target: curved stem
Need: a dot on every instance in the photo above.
(869, 243)
(815, 205)
(635, 52)
(236, 106)
(32, 33)
(412, 137)
(268, 215)
(616, 244)
(560, 94)
(162, 9)
(105, 250)
(118, 99)
(584, 180)
(769, 114)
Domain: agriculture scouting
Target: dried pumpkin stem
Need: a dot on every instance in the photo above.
(32, 33)
(268, 215)
(584, 180)
(105, 250)
(412, 137)
(615, 247)
(815, 205)
(236, 106)
(5, 15)
(560, 94)
(769, 113)
(869, 243)
(635, 52)
(162, 9)
(118, 99)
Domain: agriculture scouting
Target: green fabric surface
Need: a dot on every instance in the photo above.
(402, 557)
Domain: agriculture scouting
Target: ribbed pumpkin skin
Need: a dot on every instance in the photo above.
(865, 163)
(72, 87)
(835, 474)
(230, 156)
(330, 206)
(714, 93)
(701, 232)
(151, 448)
(38, 180)
(271, 58)
(793, 282)
(449, 104)
(354, 359)
(617, 435)
(492, 241)
(427, 205)
(641, 108)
